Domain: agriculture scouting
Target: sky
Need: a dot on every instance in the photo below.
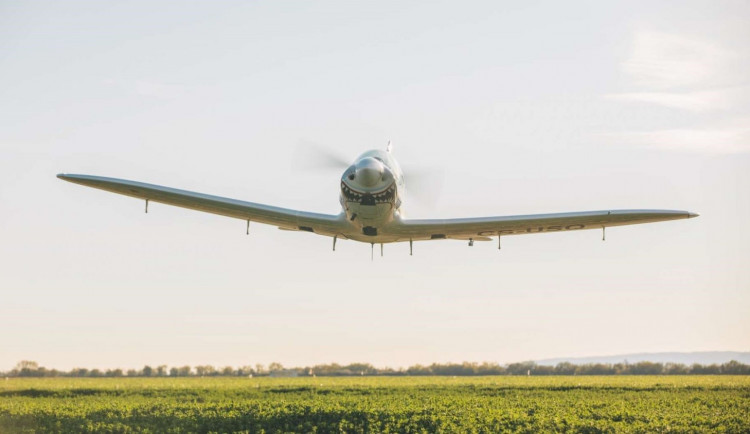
(522, 108)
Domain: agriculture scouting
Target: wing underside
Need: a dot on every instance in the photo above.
(323, 224)
(480, 229)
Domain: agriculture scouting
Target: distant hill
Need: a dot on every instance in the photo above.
(702, 357)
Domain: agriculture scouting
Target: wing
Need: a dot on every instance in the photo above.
(323, 224)
(483, 227)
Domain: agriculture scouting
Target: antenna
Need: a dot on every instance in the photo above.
(388, 147)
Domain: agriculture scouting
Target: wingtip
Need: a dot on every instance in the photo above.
(693, 215)
(62, 176)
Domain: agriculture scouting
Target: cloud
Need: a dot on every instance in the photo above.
(682, 72)
(698, 101)
(689, 74)
(727, 140)
(669, 61)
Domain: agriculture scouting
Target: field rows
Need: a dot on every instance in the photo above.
(377, 404)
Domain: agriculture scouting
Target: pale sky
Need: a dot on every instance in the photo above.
(533, 107)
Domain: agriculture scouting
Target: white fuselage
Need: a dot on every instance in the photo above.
(372, 190)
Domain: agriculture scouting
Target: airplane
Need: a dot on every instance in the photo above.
(373, 191)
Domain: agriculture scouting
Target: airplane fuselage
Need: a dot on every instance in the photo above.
(372, 191)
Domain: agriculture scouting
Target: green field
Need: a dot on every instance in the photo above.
(378, 404)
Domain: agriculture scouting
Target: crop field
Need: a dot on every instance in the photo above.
(377, 404)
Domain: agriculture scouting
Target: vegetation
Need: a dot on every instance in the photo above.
(377, 404)
(28, 368)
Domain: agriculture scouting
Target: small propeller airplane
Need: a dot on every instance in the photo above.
(373, 191)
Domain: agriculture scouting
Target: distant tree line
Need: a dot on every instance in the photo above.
(28, 368)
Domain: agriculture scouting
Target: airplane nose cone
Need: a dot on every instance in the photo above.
(369, 171)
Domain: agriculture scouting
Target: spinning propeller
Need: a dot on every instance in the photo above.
(423, 184)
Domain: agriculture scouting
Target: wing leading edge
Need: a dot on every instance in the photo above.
(478, 228)
(324, 224)
(482, 227)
